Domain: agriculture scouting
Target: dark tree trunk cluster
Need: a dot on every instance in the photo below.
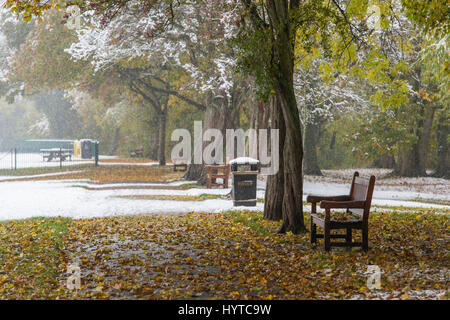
(412, 161)
(222, 117)
(386, 161)
(442, 169)
(162, 135)
(312, 135)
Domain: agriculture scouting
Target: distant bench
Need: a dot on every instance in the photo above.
(137, 153)
(180, 165)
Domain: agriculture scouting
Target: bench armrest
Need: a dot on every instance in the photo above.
(315, 198)
(342, 204)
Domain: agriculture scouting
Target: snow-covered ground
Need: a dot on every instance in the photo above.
(56, 198)
(77, 198)
(391, 190)
(382, 195)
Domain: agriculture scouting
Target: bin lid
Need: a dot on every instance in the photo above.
(244, 160)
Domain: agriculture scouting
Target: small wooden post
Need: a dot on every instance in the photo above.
(96, 145)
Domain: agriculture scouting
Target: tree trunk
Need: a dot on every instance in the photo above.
(424, 138)
(442, 169)
(154, 144)
(384, 161)
(281, 71)
(408, 162)
(412, 161)
(311, 140)
(293, 164)
(197, 172)
(115, 142)
(273, 200)
(162, 137)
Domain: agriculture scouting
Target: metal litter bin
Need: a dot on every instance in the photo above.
(244, 177)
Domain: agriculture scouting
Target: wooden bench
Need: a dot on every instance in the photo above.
(139, 152)
(357, 204)
(213, 173)
(180, 165)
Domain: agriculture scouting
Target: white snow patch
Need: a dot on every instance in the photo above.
(53, 198)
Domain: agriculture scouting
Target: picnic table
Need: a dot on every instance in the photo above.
(56, 153)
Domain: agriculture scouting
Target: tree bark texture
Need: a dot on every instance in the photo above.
(282, 77)
(442, 169)
(311, 165)
(273, 200)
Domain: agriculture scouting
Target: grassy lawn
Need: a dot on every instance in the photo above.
(219, 256)
(32, 258)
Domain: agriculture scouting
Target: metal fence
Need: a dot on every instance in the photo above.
(19, 158)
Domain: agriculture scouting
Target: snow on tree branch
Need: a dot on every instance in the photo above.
(194, 39)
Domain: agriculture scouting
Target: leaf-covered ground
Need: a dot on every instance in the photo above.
(31, 257)
(232, 255)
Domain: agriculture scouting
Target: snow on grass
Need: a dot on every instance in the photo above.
(385, 182)
(389, 197)
(84, 198)
(87, 183)
(388, 189)
(53, 198)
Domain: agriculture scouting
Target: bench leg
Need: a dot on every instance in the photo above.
(326, 237)
(313, 232)
(348, 239)
(365, 238)
(313, 228)
(348, 236)
(209, 180)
